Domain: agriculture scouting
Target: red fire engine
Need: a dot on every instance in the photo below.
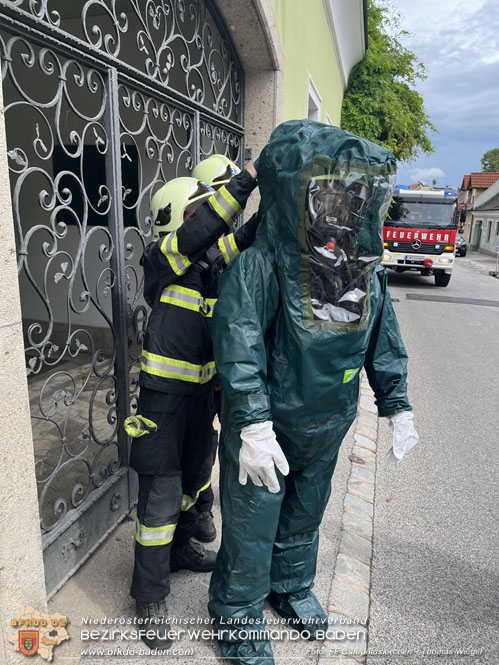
(420, 231)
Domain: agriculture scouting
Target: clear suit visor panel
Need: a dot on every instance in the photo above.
(344, 214)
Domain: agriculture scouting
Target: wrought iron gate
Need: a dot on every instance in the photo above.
(105, 100)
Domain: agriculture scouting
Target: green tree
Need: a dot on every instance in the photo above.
(490, 160)
(381, 103)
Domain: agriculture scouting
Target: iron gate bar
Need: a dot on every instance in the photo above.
(196, 148)
(116, 226)
(17, 20)
(453, 299)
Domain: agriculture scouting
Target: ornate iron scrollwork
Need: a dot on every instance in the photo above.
(115, 502)
(176, 43)
(167, 73)
(55, 114)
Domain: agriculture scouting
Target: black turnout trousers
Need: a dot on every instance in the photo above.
(206, 498)
(174, 466)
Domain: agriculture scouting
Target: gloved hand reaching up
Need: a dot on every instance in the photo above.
(259, 455)
(405, 436)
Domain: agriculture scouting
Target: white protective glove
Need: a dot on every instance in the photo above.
(259, 454)
(405, 436)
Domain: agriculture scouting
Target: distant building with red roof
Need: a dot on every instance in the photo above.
(473, 185)
(479, 180)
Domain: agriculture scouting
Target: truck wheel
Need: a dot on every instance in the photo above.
(441, 278)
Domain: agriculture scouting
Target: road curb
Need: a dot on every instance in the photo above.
(349, 600)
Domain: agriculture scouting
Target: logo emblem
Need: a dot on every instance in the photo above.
(416, 243)
(349, 374)
(29, 641)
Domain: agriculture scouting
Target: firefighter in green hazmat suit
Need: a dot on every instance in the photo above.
(298, 315)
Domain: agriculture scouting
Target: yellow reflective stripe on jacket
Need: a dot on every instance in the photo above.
(171, 368)
(189, 501)
(152, 536)
(228, 247)
(225, 205)
(187, 298)
(211, 304)
(169, 247)
(230, 199)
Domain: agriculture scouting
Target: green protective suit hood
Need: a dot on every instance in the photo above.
(298, 149)
(299, 314)
(324, 196)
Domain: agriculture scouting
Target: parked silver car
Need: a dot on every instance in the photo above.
(460, 245)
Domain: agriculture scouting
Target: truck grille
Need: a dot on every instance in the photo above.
(426, 248)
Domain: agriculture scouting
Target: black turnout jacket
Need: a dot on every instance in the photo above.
(181, 272)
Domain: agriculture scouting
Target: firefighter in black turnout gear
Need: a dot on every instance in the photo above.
(172, 430)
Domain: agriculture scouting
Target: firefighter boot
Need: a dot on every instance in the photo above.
(154, 618)
(192, 556)
(206, 531)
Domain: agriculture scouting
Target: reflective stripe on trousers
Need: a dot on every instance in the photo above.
(150, 536)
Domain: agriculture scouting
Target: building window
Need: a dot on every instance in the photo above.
(314, 101)
(497, 228)
(489, 230)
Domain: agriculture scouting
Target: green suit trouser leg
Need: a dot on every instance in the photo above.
(296, 545)
(269, 543)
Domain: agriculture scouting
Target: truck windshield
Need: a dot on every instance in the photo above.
(421, 214)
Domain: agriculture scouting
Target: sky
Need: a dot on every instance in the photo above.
(458, 42)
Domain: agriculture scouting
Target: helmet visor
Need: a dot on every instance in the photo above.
(203, 192)
(224, 177)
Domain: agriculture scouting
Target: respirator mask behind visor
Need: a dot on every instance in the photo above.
(343, 223)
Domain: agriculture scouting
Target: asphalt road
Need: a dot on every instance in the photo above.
(435, 579)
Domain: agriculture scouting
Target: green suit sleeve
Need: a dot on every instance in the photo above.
(386, 357)
(246, 306)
